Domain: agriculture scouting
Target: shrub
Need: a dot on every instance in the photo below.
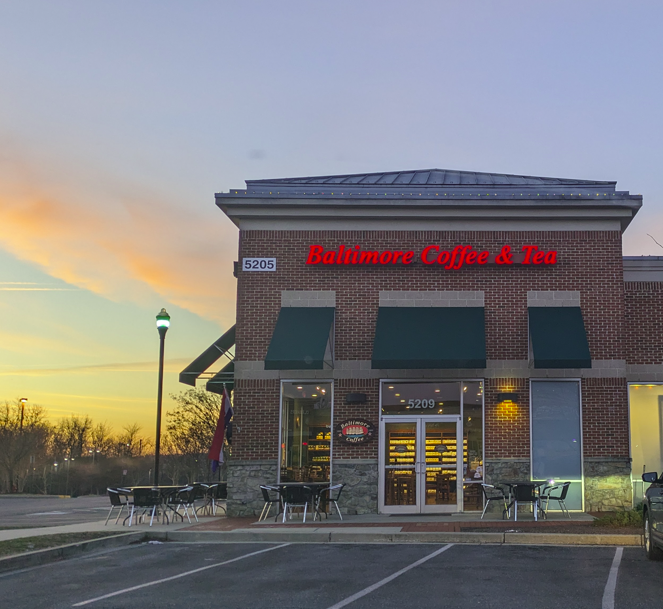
(629, 518)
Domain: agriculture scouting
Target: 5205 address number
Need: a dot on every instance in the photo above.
(259, 264)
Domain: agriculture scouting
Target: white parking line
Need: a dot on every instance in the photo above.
(609, 592)
(386, 580)
(167, 579)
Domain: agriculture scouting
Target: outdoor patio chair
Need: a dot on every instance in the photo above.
(330, 498)
(147, 499)
(185, 498)
(296, 496)
(119, 498)
(494, 493)
(269, 501)
(219, 496)
(547, 496)
(525, 493)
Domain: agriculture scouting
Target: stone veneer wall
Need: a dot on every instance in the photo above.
(360, 495)
(244, 480)
(607, 484)
(501, 470)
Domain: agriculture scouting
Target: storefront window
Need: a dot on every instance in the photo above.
(305, 431)
(556, 436)
(421, 398)
(473, 449)
(646, 414)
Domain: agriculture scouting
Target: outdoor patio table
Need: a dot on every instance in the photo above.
(534, 484)
(316, 487)
(165, 492)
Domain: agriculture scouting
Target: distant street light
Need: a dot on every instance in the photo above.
(163, 323)
(23, 401)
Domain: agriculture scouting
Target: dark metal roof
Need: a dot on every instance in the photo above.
(427, 183)
(429, 177)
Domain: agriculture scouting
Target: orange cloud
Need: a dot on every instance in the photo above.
(119, 240)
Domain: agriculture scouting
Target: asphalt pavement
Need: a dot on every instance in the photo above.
(34, 511)
(332, 576)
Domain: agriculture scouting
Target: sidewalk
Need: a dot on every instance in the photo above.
(370, 528)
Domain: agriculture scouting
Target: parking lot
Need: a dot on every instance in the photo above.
(50, 511)
(331, 576)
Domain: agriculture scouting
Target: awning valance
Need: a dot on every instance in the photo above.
(225, 377)
(558, 337)
(208, 357)
(430, 337)
(302, 339)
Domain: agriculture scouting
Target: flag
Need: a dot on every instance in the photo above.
(215, 454)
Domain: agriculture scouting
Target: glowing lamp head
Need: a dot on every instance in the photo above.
(163, 321)
(23, 400)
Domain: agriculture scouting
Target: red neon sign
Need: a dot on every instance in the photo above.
(454, 259)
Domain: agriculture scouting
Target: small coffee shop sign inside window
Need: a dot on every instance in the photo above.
(354, 431)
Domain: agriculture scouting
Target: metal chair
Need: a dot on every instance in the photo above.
(145, 499)
(493, 493)
(546, 495)
(296, 496)
(330, 498)
(185, 498)
(269, 501)
(216, 494)
(525, 493)
(119, 498)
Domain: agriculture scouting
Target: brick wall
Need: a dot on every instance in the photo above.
(589, 262)
(644, 322)
(256, 420)
(506, 425)
(605, 431)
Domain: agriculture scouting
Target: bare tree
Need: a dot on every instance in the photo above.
(23, 435)
(132, 443)
(190, 429)
(70, 436)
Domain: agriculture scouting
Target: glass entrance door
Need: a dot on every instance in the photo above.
(421, 465)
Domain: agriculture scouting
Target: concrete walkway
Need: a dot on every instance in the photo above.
(86, 527)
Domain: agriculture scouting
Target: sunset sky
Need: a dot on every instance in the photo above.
(119, 121)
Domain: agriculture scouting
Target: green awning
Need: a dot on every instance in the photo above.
(302, 339)
(208, 357)
(430, 337)
(225, 377)
(558, 337)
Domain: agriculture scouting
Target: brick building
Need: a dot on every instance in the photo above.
(413, 334)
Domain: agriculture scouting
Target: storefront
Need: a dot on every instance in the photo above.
(414, 334)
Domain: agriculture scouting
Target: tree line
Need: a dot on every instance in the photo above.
(76, 456)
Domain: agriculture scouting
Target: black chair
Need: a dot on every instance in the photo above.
(494, 493)
(219, 496)
(525, 493)
(330, 498)
(547, 496)
(119, 498)
(296, 496)
(185, 498)
(269, 501)
(147, 499)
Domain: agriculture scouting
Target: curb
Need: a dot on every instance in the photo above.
(48, 555)
(303, 536)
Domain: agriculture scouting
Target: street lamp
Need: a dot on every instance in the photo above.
(163, 323)
(23, 401)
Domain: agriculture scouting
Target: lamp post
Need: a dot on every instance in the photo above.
(163, 323)
(23, 401)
